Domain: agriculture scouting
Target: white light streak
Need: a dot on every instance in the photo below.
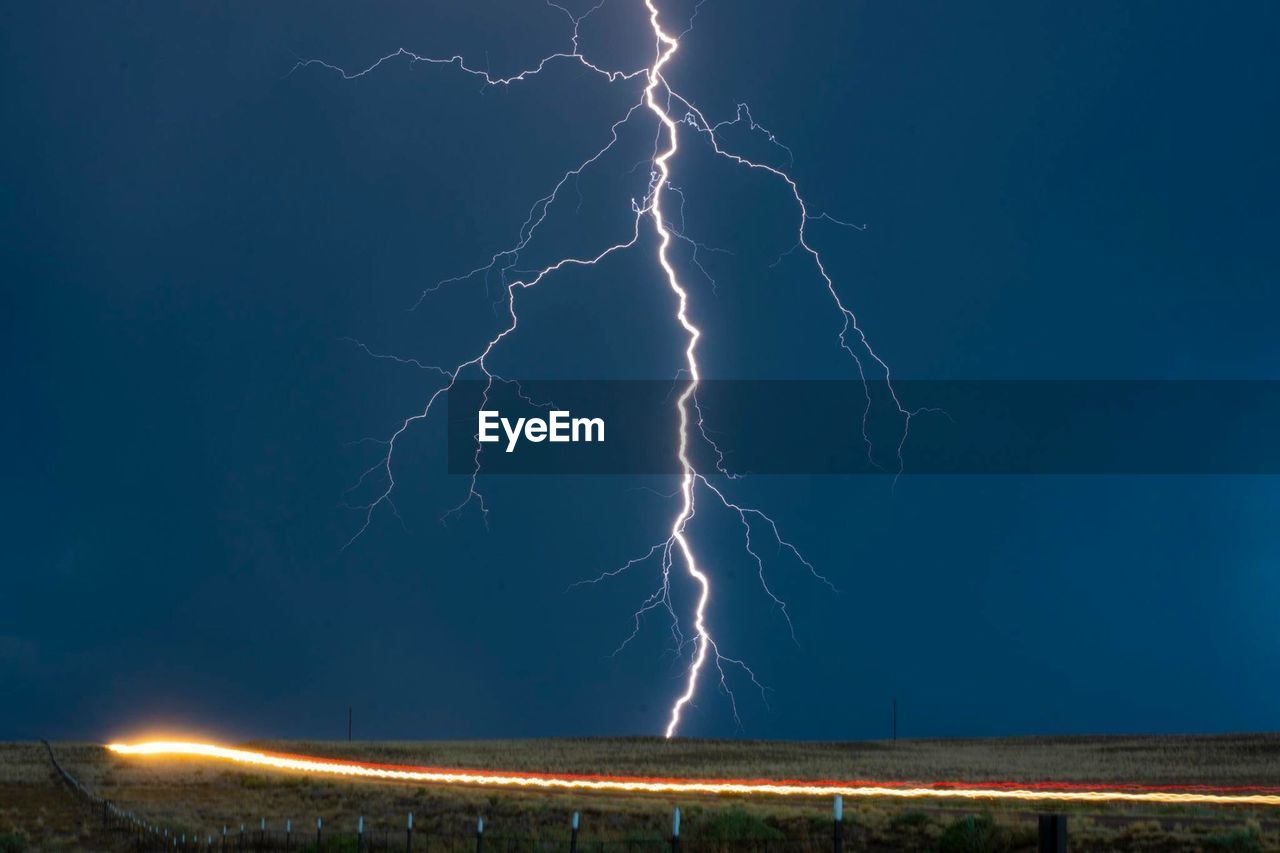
(623, 784)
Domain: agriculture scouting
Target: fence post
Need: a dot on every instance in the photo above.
(838, 809)
(1053, 833)
(675, 831)
(408, 838)
(240, 844)
(262, 833)
(573, 834)
(319, 825)
(224, 838)
(359, 833)
(288, 832)
(479, 834)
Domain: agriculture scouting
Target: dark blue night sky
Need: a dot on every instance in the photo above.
(192, 234)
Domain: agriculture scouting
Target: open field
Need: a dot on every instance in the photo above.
(198, 796)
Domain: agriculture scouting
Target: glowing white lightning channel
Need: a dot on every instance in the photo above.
(667, 47)
(656, 98)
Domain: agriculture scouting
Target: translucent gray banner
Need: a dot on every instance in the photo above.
(846, 427)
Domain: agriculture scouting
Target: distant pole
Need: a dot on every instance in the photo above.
(895, 719)
(573, 834)
(408, 839)
(838, 811)
(348, 723)
(675, 831)
(479, 834)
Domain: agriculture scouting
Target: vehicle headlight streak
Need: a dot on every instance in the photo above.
(1015, 791)
(656, 98)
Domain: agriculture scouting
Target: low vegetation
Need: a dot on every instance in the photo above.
(200, 797)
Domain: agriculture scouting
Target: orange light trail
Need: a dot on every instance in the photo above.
(1015, 791)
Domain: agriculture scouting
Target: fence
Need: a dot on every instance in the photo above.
(131, 831)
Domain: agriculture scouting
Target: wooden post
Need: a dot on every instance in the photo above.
(838, 809)
(1053, 833)
(573, 834)
(675, 831)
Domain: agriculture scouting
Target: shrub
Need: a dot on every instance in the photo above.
(254, 782)
(1241, 840)
(12, 843)
(737, 824)
(972, 834)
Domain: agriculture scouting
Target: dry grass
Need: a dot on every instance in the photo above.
(200, 796)
(1214, 760)
(34, 808)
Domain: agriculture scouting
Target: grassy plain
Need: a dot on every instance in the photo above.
(200, 797)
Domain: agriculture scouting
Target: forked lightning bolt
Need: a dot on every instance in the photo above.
(672, 113)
